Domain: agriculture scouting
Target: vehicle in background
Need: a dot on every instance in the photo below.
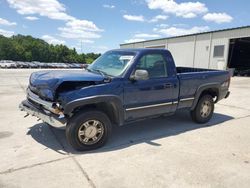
(77, 65)
(84, 66)
(7, 64)
(35, 64)
(63, 65)
(2, 65)
(32, 65)
(44, 65)
(70, 65)
(21, 64)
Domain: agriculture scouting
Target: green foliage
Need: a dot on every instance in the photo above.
(27, 48)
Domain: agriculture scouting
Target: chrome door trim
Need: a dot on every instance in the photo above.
(149, 106)
(187, 99)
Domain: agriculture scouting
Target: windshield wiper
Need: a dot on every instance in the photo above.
(104, 74)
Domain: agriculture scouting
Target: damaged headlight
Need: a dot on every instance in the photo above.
(46, 93)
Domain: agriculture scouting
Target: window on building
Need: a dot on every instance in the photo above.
(219, 51)
(155, 64)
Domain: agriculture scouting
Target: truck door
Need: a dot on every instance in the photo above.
(156, 95)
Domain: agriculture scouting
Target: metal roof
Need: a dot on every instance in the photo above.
(165, 38)
(138, 49)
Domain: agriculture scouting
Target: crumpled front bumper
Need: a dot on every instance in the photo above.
(44, 115)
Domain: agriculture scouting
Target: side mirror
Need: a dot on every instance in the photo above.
(140, 75)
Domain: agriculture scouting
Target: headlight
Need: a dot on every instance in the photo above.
(46, 93)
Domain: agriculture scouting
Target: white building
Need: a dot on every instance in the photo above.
(228, 48)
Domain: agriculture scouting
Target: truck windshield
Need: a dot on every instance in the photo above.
(112, 63)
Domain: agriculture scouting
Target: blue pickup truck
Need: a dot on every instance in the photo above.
(120, 87)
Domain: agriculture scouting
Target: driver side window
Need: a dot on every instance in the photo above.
(155, 64)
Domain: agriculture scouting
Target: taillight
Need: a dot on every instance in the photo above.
(226, 84)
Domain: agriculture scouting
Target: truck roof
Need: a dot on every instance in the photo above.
(139, 50)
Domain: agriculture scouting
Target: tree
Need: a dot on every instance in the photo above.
(27, 48)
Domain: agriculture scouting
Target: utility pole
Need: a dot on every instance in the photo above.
(81, 46)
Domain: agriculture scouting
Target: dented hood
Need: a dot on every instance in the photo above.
(52, 79)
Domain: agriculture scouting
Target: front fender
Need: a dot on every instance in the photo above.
(112, 100)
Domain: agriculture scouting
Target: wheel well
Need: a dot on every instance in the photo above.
(214, 92)
(106, 108)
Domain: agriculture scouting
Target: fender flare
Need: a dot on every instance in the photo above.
(202, 88)
(112, 100)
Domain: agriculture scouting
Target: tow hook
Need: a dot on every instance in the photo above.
(26, 115)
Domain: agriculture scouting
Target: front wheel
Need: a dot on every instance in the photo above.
(204, 109)
(88, 130)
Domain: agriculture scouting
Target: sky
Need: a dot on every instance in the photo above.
(101, 25)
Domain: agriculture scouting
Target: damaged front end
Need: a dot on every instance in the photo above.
(44, 91)
(47, 107)
(49, 112)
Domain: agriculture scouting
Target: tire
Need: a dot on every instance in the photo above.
(88, 130)
(204, 109)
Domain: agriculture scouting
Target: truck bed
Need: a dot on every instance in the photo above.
(191, 79)
(191, 69)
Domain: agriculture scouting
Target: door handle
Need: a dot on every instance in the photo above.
(168, 85)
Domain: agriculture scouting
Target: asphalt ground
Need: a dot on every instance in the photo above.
(163, 152)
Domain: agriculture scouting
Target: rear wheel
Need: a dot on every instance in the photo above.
(88, 130)
(204, 109)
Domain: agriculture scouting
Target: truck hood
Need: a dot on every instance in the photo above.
(51, 80)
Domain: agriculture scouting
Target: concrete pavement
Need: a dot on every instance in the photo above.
(164, 152)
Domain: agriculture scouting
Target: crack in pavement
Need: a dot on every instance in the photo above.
(85, 174)
(69, 156)
(31, 166)
(21, 86)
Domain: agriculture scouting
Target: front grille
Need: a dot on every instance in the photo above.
(38, 101)
(34, 103)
